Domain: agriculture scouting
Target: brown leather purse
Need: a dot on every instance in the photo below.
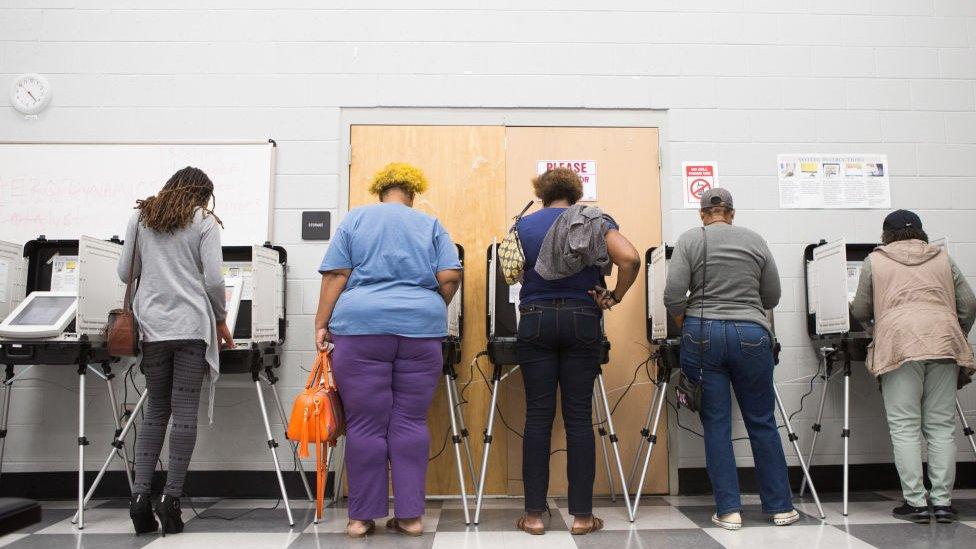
(317, 418)
(122, 330)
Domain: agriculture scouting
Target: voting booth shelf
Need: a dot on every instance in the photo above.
(85, 268)
(664, 333)
(501, 327)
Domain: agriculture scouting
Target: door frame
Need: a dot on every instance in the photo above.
(516, 117)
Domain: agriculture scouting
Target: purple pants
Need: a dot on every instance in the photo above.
(387, 384)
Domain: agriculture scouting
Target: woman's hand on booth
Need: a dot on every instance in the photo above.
(224, 337)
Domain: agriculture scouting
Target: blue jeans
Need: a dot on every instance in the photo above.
(559, 348)
(740, 353)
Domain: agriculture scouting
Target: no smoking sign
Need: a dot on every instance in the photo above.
(698, 177)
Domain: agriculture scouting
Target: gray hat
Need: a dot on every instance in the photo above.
(716, 197)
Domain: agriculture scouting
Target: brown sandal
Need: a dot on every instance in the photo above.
(370, 529)
(394, 524)
(520, 524)
(596, 526)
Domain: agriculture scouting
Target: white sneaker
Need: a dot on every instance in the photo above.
(730, 521)
(787, 518)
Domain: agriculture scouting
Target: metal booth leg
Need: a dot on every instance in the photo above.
(657, 404)
(118, 425)
(273, 445)
(645, 432)
(117, 444)
(612, 435)
(7, 394)
(818, 425)
(456, 439)
(339, 470)
(846, 433)
(602, 431)
(82, 442)
(294, 447)
(463, 426)
(966, 429)
(496, 378)
(796, 447)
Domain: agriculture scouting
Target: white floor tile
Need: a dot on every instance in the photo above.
(503, 540)
(648, 518)
(10, 538)
(235, 540)
(825, 536)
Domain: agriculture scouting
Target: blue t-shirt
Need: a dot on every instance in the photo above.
(532, 231)
(395, 253)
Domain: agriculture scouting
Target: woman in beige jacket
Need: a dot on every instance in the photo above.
(922, 308)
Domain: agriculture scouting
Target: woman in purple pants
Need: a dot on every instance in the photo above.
(387, 277)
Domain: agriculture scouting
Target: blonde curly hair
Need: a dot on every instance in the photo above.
(399, 174)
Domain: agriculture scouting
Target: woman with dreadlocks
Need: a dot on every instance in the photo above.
(180, 307)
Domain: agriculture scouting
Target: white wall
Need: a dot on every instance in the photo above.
(741, 80)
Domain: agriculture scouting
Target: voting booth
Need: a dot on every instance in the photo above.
(57, 295)
(664, 332)
(832, 270)
(502, 331)
(255, 283)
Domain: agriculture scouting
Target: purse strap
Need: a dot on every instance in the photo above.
(127, 302)
(520, 215)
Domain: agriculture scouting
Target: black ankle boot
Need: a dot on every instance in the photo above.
(140, 511)
(170, 515)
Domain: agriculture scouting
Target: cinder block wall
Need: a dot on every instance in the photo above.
(741, 81)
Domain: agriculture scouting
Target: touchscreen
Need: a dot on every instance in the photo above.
(43, 311)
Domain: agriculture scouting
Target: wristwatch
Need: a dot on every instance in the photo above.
(614, 296)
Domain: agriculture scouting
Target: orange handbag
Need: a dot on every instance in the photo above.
(317, 418)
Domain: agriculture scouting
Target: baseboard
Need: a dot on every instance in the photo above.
(828, 478)
(227, 484)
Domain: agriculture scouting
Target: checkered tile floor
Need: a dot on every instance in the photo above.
(673, 522)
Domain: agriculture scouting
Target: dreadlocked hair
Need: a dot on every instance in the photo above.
(174, 206)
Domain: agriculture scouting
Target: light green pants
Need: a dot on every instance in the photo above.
(920, 399)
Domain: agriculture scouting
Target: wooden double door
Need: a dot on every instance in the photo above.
(480, 177)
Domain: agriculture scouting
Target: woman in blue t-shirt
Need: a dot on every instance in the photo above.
(559, 335)
(387, 277)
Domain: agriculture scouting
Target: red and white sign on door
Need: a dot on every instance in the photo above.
(585, 169)
(697, 177)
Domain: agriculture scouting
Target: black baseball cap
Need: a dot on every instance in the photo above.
(901, 219)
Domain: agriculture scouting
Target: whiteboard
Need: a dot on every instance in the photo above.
(64, 190)
(830, 290)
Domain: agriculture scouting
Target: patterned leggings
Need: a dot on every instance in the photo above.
(174, 372)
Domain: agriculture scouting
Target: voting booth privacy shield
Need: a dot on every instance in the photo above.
(50, 274)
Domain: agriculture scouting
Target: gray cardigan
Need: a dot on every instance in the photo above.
(181, 293)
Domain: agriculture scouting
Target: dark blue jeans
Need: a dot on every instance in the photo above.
(559, 345)
(737, 353)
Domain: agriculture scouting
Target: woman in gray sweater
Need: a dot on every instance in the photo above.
(180, 307)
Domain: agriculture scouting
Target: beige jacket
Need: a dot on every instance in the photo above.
(920, 303)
